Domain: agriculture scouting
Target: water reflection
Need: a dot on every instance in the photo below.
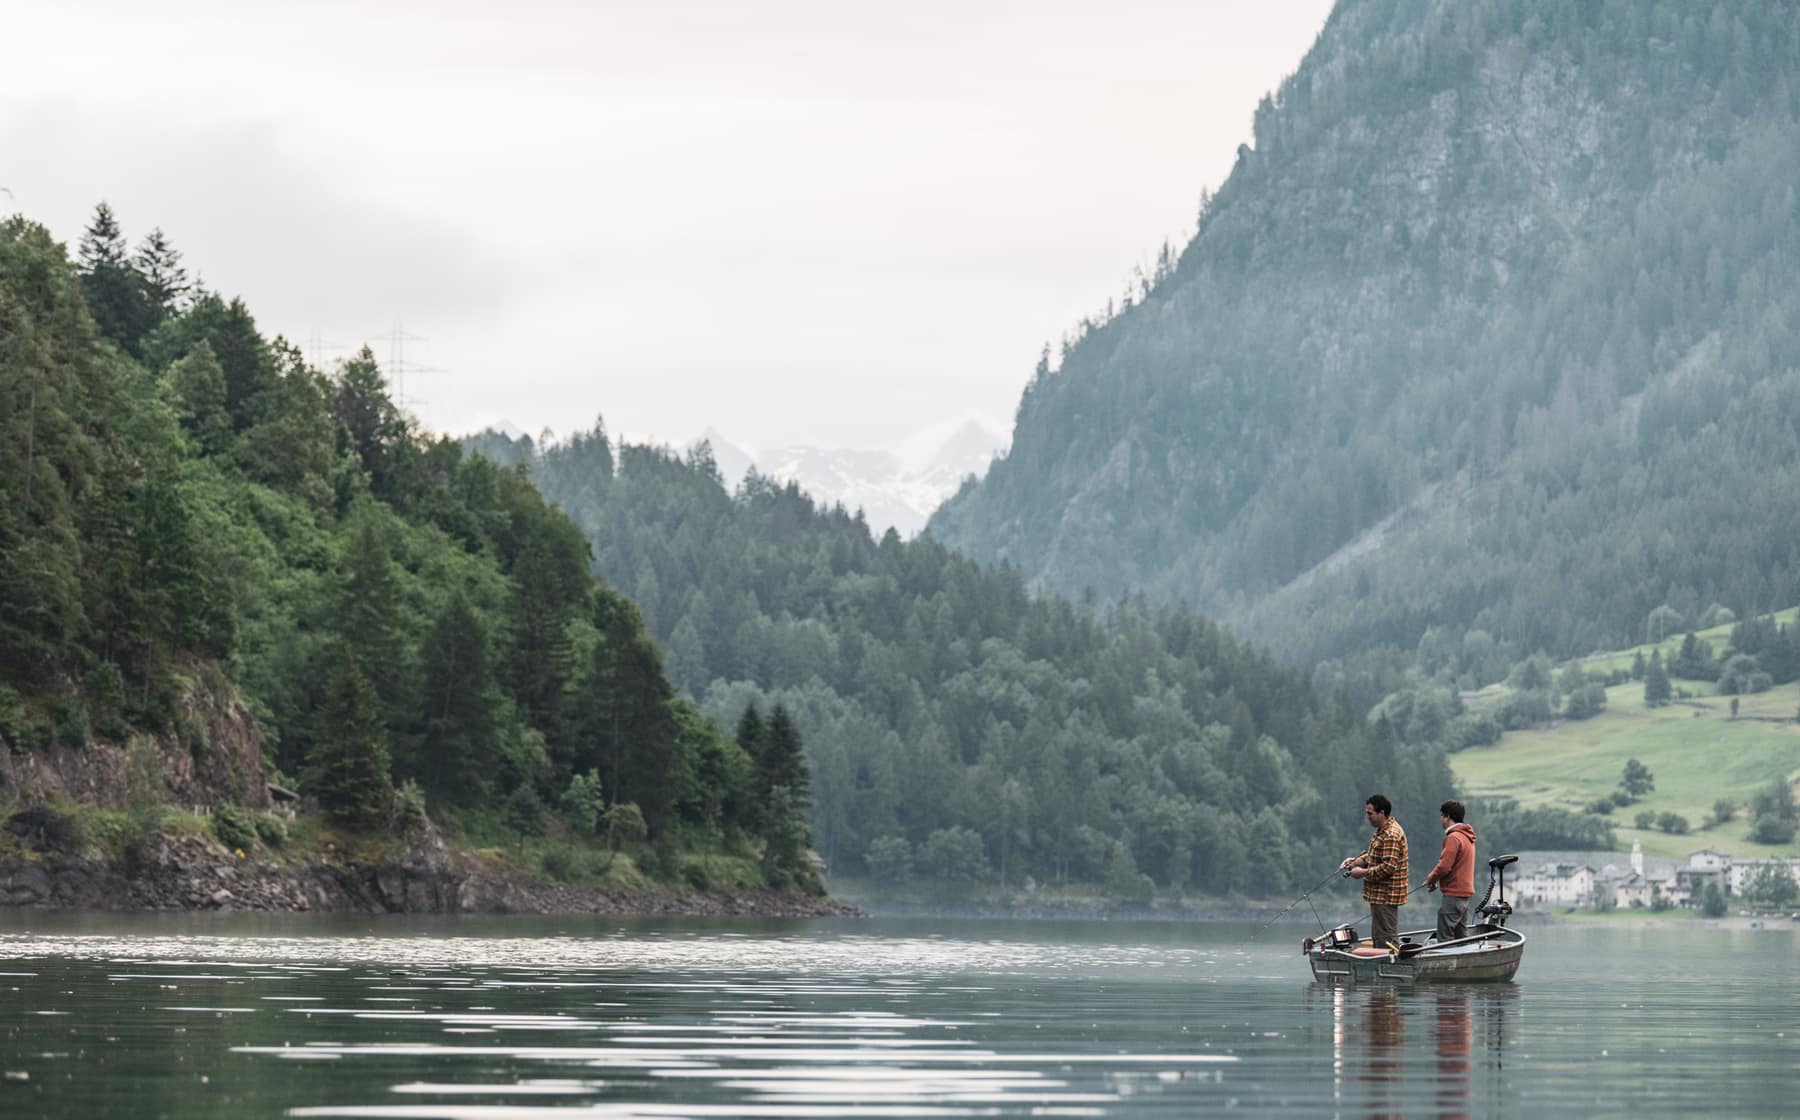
(1466, 1029)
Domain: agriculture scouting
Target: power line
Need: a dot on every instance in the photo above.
(398, 366)
(317, 348)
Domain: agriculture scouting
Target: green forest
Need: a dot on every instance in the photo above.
(965, 732)
(1489, 346)
(188, 510)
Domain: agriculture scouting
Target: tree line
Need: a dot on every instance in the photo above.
(411, 626)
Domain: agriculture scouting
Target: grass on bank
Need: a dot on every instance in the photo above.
(1626, 915)
(563, 856)
(558, 855)
(1697, 752)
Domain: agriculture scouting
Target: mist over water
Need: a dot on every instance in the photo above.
(509, 1019)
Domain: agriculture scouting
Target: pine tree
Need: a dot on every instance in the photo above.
(638, 729)
(292, 445)
(783, 760)
(787, 791)
(369, 425)
(243, 354)
(347, 767)
(750, 733)
(549, 579)
(115, 291)
(1656, 681)
(367, 616)
(197, 385)
(102, 242)
(166, 283)
(455, 760)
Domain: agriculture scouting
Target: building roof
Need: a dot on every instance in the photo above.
(1608, 866)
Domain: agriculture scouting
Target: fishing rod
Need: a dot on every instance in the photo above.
(1306, 897)
(1419, 886)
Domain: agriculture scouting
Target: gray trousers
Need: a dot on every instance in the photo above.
(1453, 918)
(1384, 925)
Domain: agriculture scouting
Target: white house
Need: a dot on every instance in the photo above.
(1556, 884)
(1708, 859)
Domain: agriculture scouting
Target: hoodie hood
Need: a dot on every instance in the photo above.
(1463, 827)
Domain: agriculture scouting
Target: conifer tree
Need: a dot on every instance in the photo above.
(1656, 681)
(786, 789)
(244, 356)
(369, 425)
(367, 617)
(347, 767)
(782, 762)
(197, 385)
(629, 713)
(292, 445)
(166, 283)
(750, 733)
(115, 292)
(102, 242)
(549, 580)
(455, 759)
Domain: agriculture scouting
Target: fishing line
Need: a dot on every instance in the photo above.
(1409, 893)
(1305, 897)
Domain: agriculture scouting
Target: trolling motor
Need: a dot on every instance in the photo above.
(1495, 913)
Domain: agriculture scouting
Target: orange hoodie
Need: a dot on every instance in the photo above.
(1455, 870)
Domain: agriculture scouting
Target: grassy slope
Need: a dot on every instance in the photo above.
(1697, 752)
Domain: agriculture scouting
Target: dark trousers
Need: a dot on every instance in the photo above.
(1384, 925)
(1453, 918)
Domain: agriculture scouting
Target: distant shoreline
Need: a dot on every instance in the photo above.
(1272, 912)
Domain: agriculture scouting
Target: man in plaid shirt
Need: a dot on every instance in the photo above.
(1383, 872)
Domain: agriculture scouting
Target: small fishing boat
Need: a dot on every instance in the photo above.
(1489, 952)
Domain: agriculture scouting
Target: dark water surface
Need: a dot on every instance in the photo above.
(560, 1019)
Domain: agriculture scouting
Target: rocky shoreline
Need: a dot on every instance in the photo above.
(48, 869)
(191, 872)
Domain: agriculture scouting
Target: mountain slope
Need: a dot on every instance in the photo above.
(1492, 330)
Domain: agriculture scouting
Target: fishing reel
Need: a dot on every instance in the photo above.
(1343, 937)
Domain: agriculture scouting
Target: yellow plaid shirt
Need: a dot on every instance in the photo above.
(1385, 885)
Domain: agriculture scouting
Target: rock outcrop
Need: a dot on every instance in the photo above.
(193, 872)
(216, 757)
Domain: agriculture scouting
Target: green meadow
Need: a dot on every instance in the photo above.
(1698, 753)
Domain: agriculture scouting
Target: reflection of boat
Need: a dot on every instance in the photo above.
(1391, 1044)
(1489, 952)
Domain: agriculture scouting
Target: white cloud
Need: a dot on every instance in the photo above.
(799, 220)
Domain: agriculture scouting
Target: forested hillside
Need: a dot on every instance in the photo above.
(187, 508)
(1489, 345)
(963, 730)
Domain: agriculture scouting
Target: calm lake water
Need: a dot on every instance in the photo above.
(559, 1019)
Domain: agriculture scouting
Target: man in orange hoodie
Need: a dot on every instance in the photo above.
(1455, 873)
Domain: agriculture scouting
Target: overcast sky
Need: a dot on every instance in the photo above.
(797, 221)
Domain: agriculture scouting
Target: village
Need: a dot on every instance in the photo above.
(1598, 880)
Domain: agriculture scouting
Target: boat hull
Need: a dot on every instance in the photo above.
(1489, 954)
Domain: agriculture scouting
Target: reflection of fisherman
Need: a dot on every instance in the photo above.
(1455, 872)
(1382, 870)
(1455, 1040)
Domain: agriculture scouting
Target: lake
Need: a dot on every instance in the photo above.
(558, 1019)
